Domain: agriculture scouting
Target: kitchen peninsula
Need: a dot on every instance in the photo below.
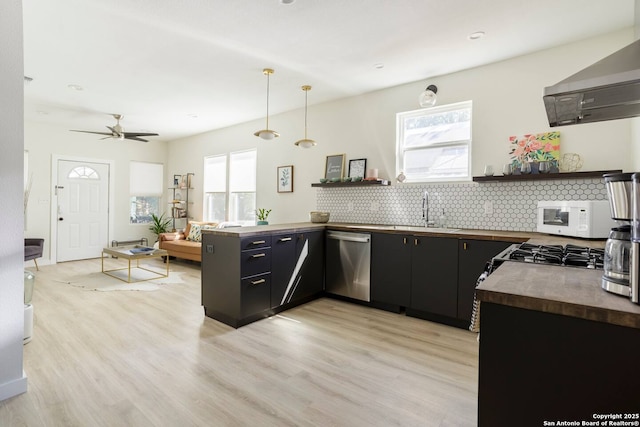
(554, 346)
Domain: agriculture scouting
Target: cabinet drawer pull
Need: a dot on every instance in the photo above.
(415, 242)
(257, 282)
(259, 242)
(464, 246)
(258, 255)
(285, 239)
(404, 240)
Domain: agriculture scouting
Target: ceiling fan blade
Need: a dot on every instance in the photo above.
(88, 131)
(129, 134)
(135, 138)
(114, 132)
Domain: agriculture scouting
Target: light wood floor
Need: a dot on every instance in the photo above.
(153, 359)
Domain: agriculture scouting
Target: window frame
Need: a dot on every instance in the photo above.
(154, 196)
(230, 196)
(401, 149)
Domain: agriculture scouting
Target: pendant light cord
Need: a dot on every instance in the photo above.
(268, 74)
(306, 94)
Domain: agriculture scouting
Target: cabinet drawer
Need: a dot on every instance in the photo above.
(256, 294)
(254, 262)
(255, 242)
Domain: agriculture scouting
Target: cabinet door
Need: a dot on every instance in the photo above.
(391, 269)
(473, 256)
(283, 262)
(256, 294)
(310, 255)
(434, 275)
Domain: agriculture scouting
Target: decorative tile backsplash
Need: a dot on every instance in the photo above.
(509, 205)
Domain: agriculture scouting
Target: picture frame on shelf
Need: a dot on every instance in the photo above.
(285, 179)
(176, 180)
(357, 168)
(334, 167)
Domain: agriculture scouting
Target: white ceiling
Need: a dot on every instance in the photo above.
(159, 62)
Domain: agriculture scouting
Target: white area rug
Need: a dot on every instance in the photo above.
(99, 281)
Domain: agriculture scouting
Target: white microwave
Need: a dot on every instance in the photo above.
(589, 219)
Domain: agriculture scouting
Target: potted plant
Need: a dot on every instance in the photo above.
(262, 215)
(159, 224)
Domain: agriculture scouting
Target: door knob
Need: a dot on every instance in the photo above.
(60, 219)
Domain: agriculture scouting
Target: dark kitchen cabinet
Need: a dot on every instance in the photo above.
(236, 278)
(566, 365)
(297, 267)
(248, 278)
(434, 276)
(472, 258)
(391, 269)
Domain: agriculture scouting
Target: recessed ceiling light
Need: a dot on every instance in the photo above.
(75, 87)
(287, 1)
(192, 116)
(477, 35)
(379, 65)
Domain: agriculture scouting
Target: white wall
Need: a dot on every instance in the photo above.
(507, 100)
(44, 141)
(12, 378)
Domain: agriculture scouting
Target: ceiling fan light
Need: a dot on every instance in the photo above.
(428, 98)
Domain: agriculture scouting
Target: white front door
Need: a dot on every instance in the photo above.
(83, 209)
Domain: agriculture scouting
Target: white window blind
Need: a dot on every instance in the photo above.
(145, 179)
(215, 178)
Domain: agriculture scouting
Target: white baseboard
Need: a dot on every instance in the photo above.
(13, 388)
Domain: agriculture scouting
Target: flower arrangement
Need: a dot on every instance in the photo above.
(535, 148)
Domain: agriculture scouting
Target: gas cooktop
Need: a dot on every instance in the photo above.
(569, 255)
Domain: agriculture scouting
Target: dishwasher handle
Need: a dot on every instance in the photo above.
(350, 237)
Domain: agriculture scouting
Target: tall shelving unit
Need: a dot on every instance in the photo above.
(179, 203)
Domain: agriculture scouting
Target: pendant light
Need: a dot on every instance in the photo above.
(428, 97)
(305, 143)
(266, 133)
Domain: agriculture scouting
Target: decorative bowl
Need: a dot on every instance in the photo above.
(356, 179)
(319, 217)
(323, 180)
(335, 179)
(346, 179)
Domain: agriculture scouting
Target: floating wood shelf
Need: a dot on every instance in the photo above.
(363, 183)
(545, 176)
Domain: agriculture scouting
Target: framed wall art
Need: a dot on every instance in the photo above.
(357, 168)
(285, 179)
(334, 166)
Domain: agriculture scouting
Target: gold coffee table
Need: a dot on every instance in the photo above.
(135, 252)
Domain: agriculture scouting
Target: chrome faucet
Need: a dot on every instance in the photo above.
(425, 210)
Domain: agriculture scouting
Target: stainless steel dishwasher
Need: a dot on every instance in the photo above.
(348, 264)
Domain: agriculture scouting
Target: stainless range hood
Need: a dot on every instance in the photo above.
(606, 90)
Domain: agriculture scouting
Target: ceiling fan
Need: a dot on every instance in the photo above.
(118, 132)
